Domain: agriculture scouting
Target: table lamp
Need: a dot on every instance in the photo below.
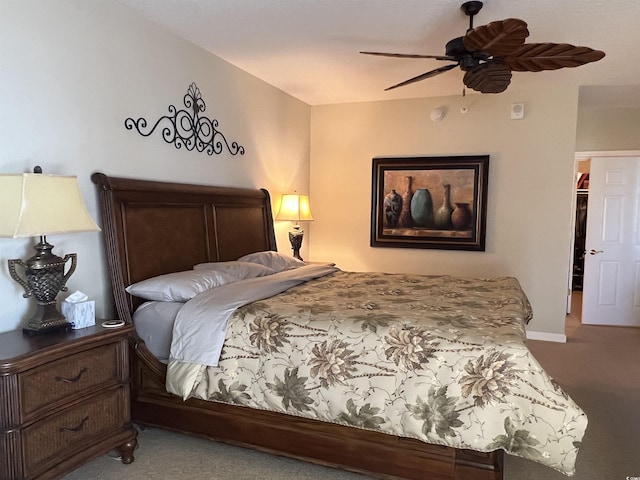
(294, 208)
(36, 205)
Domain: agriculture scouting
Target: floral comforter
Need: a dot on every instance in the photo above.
(436, 358)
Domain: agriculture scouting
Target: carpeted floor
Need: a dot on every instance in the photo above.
(599, 367)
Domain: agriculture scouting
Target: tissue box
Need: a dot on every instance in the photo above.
(81, 314)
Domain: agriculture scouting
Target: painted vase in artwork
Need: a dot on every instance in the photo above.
(461, 216)
(392, 208)
(405, 219)
(422, 208)
(442, 216)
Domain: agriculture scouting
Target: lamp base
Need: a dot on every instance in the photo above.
(295, 238)
(44, 279)
(46, 320)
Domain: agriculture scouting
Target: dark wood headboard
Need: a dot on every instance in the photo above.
(152, 228)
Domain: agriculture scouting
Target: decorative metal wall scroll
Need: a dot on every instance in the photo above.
(187, 128)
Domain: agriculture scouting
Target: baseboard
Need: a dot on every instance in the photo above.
(547, 337)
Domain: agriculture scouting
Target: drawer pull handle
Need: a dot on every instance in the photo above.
(78, 428)
(74, 379)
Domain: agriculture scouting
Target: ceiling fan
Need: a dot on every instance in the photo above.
(488, 54)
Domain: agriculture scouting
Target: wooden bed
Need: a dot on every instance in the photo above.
(152, 228)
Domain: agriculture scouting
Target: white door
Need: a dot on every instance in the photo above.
(611, 292)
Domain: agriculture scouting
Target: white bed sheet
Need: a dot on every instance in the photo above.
(154, 324)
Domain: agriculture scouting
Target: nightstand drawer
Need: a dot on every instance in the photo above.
(71, 428)
(68, 376)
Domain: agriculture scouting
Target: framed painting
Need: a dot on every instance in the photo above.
(430, 202)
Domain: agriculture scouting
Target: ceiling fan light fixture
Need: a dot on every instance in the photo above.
(489, 53)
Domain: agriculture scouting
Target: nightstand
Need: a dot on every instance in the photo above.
(64, 400)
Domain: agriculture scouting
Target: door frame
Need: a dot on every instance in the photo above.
(580, 156)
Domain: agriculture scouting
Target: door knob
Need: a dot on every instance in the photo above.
(593, 252)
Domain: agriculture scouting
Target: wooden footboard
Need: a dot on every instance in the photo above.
(363, 451)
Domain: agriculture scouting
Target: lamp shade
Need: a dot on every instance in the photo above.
(34, 204)
(294, 207)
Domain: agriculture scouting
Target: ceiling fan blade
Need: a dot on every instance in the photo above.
(535, 57)
(498, 38)
(409, 55)
(488, 78)
(424, 76)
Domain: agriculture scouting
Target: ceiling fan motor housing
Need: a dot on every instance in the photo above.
(455, 48)
(467, 60)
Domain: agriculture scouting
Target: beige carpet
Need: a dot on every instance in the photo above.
(599, 367)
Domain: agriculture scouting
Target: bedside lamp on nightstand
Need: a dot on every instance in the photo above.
(294, 208)
(36, 205)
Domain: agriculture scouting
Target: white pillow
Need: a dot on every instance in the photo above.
(240, 270)
(274, 260)
(179, 286)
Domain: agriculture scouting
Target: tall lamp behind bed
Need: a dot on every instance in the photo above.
(295, 208)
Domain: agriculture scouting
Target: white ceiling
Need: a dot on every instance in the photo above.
(309, 48)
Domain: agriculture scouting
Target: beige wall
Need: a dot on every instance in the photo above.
(608, 129)
(71, 71)
(530, 186)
